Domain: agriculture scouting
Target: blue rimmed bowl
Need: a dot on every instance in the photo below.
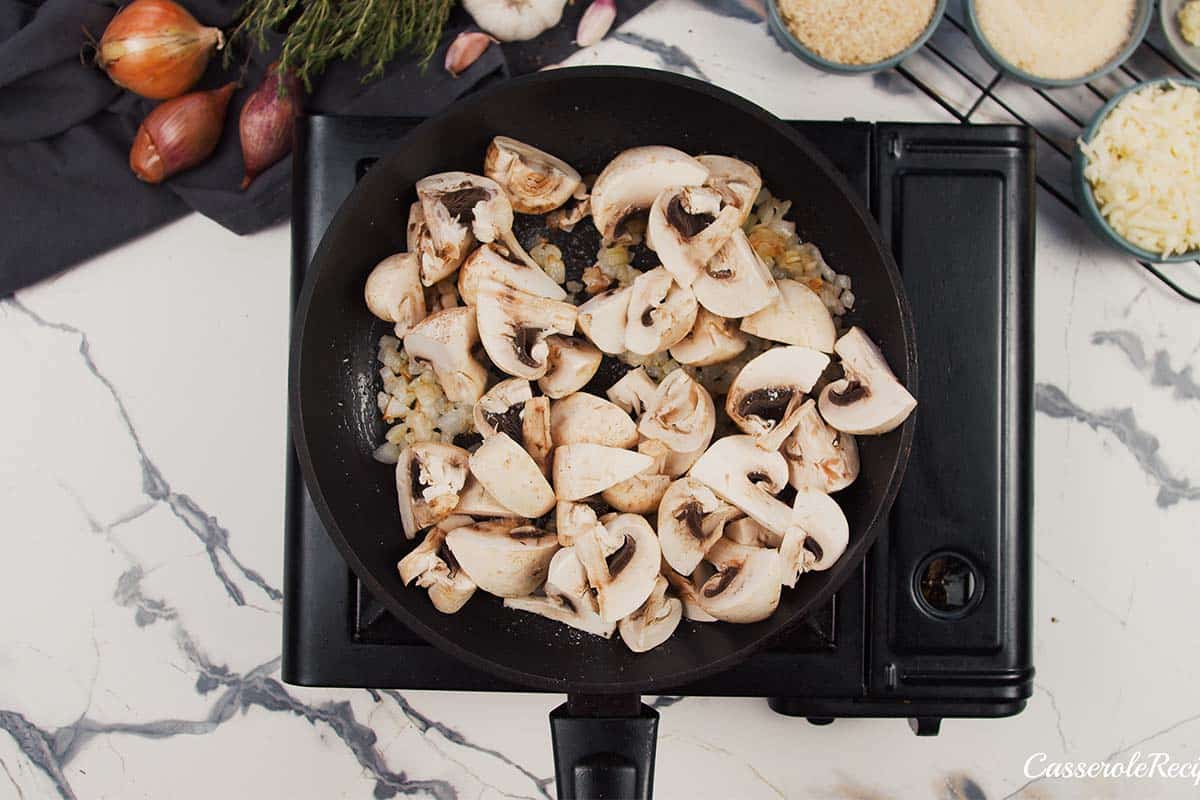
(1141, 21)
(1086, 201)
(789, 41)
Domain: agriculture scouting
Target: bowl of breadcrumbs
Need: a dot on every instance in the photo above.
(854, 36)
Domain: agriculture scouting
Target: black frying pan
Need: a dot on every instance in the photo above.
(604, 738)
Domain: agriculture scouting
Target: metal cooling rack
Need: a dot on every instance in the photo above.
(973, 91)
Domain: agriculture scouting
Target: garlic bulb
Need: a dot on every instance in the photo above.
(515, 20)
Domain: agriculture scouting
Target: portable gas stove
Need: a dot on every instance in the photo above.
(938, 622)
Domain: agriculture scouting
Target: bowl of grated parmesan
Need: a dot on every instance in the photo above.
(1057, 43)
(1136, 170)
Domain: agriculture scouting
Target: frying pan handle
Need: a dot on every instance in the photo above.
(604, 748)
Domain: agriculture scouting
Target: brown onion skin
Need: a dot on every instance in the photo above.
(179, 134)
(265, 125)
(167, 67)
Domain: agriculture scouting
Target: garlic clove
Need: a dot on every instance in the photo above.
(595, 22)
(465, 50)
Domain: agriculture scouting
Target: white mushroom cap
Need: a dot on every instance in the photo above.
(536, 182)
(433, 567)
(478, 502)
(485, 262)
(574, 518)
(625, 579)
(573, 361)
(819, 457)
(633, 180)
(687, 226)
(748, 477)
(512, 476)
(582, 470)
(680, 414)
(711, 340)
(737, 181)
(453, 201)
(744, 589)
(445, 339)
(736, 282)
(653, 622)
(688, 590)
(869, 399)
(429, 477)
(514, 326)
(633, 392)
(501, 407)
(434, 265)
(661, 312)
(798, 316)
(820, 539)
(567, 597)
(759, 397)
(602, 319)
(690, 519)
(748, 532)
(585, 418)
(394, 292)
(502, 558)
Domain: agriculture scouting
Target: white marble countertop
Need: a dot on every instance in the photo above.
(141, 503)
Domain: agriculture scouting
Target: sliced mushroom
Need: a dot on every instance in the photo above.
(737, 181)
(745, 588)
(798, 316)
(514, 326)
(445, 339)
(433, 567)
(769, 387)
(661, 312)
(625, 579)
(485, 262)
(503, 558)
(869, 399)
(573, 518)
(688, 590)
(745, 475)
(478, 502)
(735, 283)
(429, 477)
(819, 457)
(602, 319)
(680, 414)
(582, 470)
(585, 418)
(687, 226)
(501, 408)
(711, 340)
(572, 363)
(566, 597)
(690, 519)
(678, 463)
(820, 538)
(461, 208)
(571, 214)
(434, 265)
(633, 180)
(512, 476)
(654, 620)
(748, 532)
(394, 292)
(535, 431)
(633, 392)
(639, 494)
(535, 181)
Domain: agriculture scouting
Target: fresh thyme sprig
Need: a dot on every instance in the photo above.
(373, 32)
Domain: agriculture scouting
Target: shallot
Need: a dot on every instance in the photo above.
(266, 122)
(179, 134)
(155, 48)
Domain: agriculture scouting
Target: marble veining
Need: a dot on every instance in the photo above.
(141, 496)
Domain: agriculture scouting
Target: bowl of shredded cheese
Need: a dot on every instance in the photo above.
(1057, 43)
(852, 37)
(1181, 30)
(1137, 170)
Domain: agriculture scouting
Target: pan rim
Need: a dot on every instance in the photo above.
(837, 575)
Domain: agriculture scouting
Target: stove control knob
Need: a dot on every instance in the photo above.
(947, 585)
